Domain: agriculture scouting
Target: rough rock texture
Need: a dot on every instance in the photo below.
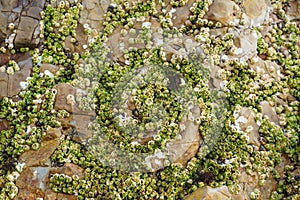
(222, 11)
(4, 124)
(93, 13)
(14, 81)
(10, 84)
(249, 123)
(256, 11)
(42, 155)
(3, 84)
(26, 28)
(269, 111)
(33, 182)
(183, 149)
(293, 11)
(208, 193)
(25, 15)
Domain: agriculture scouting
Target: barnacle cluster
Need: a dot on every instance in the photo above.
(112, 82)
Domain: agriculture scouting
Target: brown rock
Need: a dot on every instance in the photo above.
(69, 46)
(183, 149)
(182, 14)
(63, 90)
(33, 12)
(25, 32)
(254, 8)
(14, 86)
(3, 84)
(69, 169)
(4, 124)
(208, 193)
(3, 26)
(268, 110)
(221, 10)
(80, 123)
(52, 134)
(293, 11)
(253, 134)
(32, 183)
(51, 68)
(257, 11)
(41, 156)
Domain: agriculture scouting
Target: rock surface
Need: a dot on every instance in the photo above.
(222, 11)
(208, 193)
(25, 16)
(256, 10)
(33, 182)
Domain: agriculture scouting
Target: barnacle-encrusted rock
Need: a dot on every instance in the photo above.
(41, 156)
(222, 11)
(14, 86)
(186, 147)
(209, 193)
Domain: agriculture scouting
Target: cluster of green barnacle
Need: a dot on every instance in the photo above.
(56, 25)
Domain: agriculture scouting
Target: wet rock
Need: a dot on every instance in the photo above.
(256, 10)
(25, 32)
(209, 193)
(222, 11)
(41, 156)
